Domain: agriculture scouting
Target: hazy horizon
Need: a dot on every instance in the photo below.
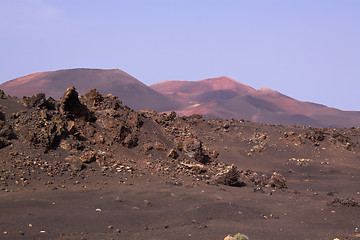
(308, 50)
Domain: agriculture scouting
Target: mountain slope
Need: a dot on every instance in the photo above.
(220, 97)
(221, 88)
(131, 91)
(225, 98)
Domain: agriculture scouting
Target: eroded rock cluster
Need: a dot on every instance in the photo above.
(77, 131)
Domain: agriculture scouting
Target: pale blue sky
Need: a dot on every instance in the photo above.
(307, 49)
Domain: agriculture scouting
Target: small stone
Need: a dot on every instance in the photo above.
(202, 226)
(173, 154)
(147, 203)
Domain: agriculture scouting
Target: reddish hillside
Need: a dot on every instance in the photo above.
(221, 88)
(226, 98)
(220, 97)
(131, 91)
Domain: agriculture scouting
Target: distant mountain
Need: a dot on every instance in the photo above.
(221, 88)
(220, 97)
(131, 91)
(226, 98)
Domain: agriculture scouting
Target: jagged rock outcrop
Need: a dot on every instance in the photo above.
(72, 108)
(2, 94)
(6, 132)
(120, 122)
(39, 101)
(41, 129)
(93, 99)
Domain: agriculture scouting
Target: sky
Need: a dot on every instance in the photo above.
(307, 49)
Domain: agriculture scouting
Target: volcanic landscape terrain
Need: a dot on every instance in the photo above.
(89, 167)
(219, 97)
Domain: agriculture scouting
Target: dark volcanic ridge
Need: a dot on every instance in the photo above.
(89, 167)
(213, 98)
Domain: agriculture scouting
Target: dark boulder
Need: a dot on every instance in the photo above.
(227, 176)
(193, 148)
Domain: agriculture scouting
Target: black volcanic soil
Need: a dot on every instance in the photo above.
(89, 167)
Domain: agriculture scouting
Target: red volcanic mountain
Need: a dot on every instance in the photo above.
(131, 91)
(220, 97)
(226, 98)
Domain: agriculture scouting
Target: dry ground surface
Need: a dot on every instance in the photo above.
(88, 167)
